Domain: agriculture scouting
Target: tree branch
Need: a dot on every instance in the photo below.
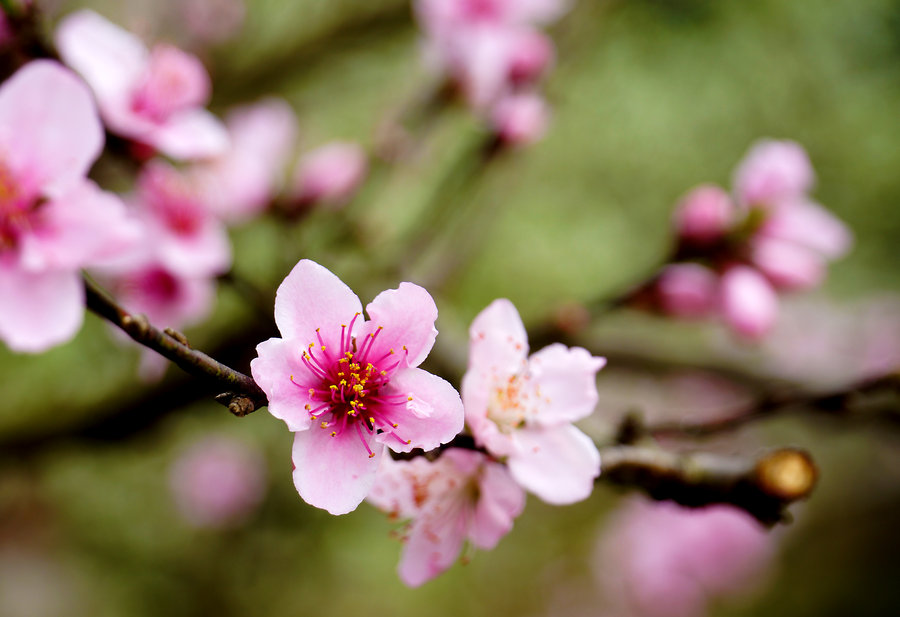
(243, 395)
(873, 398)
(763, 487)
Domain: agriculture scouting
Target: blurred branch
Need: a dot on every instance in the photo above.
(763, 487)
(243, 397)
(877, 398)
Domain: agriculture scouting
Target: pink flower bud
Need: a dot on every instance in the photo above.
(749, 304)
(531, 54)
(687, 290)
(330, 173)
(809, 225)
(218, 482)
(704, 215)
(520, 119)
(773, 171)
(788, 265)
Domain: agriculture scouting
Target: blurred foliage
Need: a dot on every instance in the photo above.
(650, 98)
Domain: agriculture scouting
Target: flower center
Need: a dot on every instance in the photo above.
(15, 209)
(349, 389)
(511, 404)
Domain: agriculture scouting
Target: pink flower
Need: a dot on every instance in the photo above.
(461, 496)
(348, 387)
(520, 119)
(218, 482)
(522, 408)
(330, 173)
(53, 221)
(773, 171)
(188, 239)
(662, 560)
(749, 303)
(688, 290)
(705, 215)
(242, 182)
(153, 97)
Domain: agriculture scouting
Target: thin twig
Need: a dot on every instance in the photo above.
(844, 402)
(243, 395)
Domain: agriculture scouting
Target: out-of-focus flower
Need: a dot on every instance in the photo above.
(778, 239)
(705, 215)
(688, 290)
(520, 119)
(662, 560)
(53, 221)
(218, 482)
(188, 239)
(773, 171)
(461, 496)
(488, 48)
(348, 387)
(522, 408)
(154, 97)
(330, 174)
(242, 182)
(749, 303)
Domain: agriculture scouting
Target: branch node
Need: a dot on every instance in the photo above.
(178, 336)
(788, 473)
(237, 404)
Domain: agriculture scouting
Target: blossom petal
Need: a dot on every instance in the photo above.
(498, 343)
(565, 380)
(190, 134)
(333, 473)
(111, 59)
(39, 310)
(312, 297)
(786, 264)
(558, 465)
(435, 540)
(810, 225)
(433, 416)
(83, 225)
(407, 315)
(501, 501)
(279, 370)
(51, 133)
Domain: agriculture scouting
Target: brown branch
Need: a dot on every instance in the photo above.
(243, 395)
(763, 487)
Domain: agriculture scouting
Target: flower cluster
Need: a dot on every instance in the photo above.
(160, 255)
(737, 253)
(495, 55)
(349, 387)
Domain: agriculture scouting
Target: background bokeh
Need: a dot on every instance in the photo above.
(650, 97)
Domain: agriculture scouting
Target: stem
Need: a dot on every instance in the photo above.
(243, 397)
(763, 487)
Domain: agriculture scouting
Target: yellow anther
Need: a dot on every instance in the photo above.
(384, 373)
(394, 424)
(371, 455)
(371, 419)
(307, 407)
(312, 391)
(324, 424)
(408, 398)
(333, 433)
(333, 387)
(408, 441)
(323, 347)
